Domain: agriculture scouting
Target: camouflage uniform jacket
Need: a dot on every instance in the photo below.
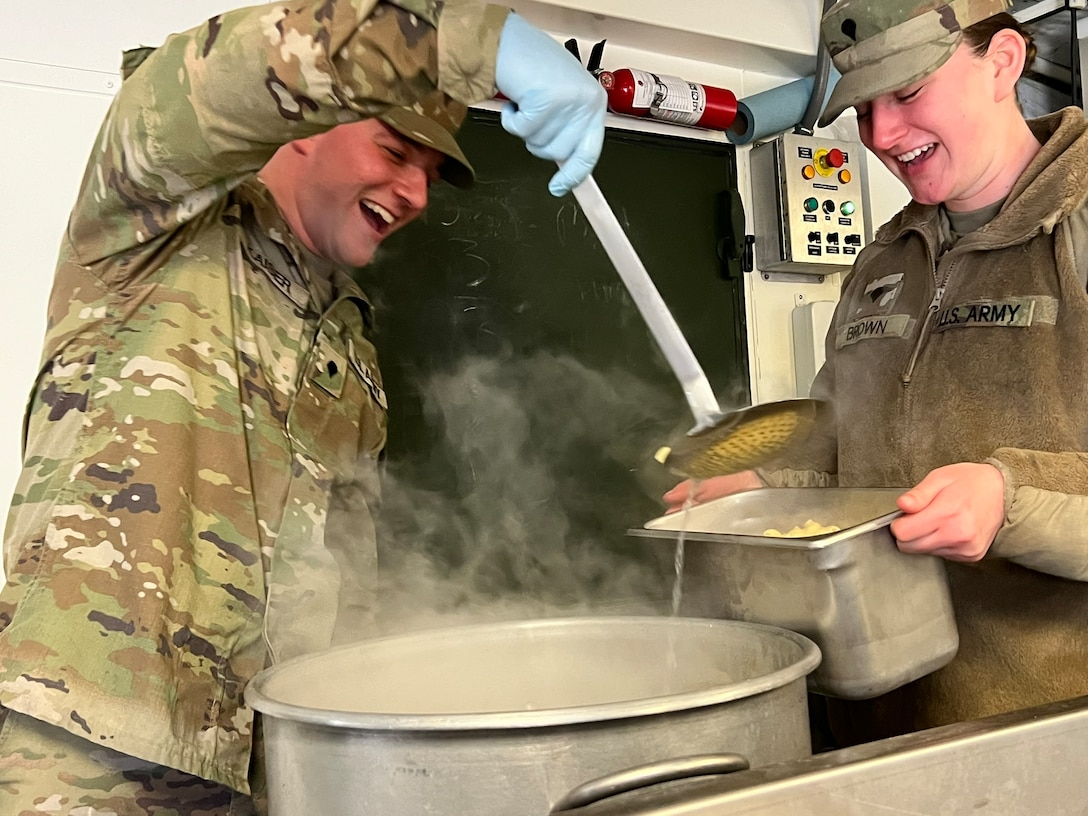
(978, 353)
(204, 379)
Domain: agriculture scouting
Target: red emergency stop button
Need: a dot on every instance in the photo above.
(835, 158)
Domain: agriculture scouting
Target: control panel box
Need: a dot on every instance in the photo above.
(809, 203)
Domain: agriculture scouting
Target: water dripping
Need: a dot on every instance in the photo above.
(678, 569)
(678, 556)
(671, 663)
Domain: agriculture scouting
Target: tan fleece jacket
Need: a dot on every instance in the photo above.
(979, 354)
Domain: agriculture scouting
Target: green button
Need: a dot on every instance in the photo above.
(849, 208)
(811, 205)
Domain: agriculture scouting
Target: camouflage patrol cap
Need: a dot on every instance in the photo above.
(433, 121)
(880, 46)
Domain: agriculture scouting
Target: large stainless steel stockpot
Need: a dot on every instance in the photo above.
(507, 719)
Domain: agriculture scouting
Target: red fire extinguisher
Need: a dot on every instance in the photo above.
(668, 98)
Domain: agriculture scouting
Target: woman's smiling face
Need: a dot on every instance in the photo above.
(937, 136)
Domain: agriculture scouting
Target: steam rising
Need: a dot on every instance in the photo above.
(498, 520)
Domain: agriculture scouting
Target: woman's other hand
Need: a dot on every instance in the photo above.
(699, 491)
(954, 512)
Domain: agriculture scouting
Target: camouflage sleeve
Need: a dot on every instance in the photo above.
(468, 41)
(211, 105)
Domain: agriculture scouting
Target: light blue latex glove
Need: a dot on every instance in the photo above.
(556, 106)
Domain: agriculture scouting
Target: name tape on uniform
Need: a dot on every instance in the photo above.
(870, 328)
(1019, 312)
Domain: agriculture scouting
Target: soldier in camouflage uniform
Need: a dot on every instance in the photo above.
(207, 379)
(956, 361)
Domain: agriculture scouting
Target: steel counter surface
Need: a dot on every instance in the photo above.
(1027, 763)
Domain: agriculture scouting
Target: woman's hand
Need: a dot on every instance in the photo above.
(706, 489)
(954, 512)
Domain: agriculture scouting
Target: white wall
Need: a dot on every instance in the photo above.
(56, 82)
(46, 146)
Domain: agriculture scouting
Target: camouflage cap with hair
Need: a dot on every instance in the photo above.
(433, 121)
(880, 46)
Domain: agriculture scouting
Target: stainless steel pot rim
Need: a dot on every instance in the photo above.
(808, 659)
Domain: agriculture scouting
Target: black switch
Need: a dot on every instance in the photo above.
(814, 237)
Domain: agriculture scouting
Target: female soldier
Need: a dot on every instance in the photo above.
(969, 383)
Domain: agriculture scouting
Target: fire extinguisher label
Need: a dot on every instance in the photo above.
(645, 89)
(682, 102)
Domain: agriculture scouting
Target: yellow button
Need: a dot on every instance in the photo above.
(809, 172)
(845, 177)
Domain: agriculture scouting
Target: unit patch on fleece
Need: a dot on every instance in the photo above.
(880, 295)
(1019, 312)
